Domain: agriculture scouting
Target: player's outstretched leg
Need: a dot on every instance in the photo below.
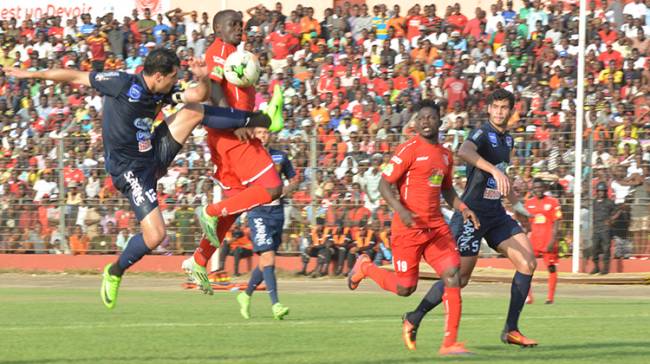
(518, 250)
(453, 309)
(357, 273)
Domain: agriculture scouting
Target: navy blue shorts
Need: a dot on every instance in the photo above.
(495, 229)
(266, 224)
(137, 180)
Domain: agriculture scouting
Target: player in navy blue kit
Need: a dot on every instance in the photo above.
(487, 153)
(266, 223)
(136, 152)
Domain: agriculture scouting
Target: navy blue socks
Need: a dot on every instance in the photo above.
(432, 299)
(134, 251)
(256, 278)
(518, 292)
(271, 283)
(228, 118)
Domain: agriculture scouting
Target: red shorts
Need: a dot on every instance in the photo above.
(241, 163)
(549, 258)
(409, 246)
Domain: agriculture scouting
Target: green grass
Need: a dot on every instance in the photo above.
(71, 326)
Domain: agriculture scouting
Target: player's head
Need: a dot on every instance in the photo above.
(263, 135)
(500, 105)
(539, 187)
(161, 69)
(228, 25)
(427, 119)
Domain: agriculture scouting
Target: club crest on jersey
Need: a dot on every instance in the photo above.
(135, 92)
(491, 183)
(493, 139)
(509, 141)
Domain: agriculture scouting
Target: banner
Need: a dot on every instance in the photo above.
(36, 9)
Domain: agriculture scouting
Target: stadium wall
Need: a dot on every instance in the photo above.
(172, 264)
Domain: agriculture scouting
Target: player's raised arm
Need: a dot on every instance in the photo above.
(57, 75)
(469, 153)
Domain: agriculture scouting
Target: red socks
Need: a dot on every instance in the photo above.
(205, 250)
(385, 279)
(552, 283)
(245, 200)
(453, 309)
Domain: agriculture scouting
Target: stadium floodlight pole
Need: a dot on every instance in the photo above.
(580, 118)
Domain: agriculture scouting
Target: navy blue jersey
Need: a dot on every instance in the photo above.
(481, 194)
(283, 166)
(129, 112)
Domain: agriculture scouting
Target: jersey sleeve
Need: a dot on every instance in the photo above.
(556, 211)
(447, 181)
(399, 164)
(478, 137)
(215, 64)
(110, 83)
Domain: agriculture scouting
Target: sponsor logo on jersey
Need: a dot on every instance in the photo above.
(217, 71)
(493, 139)
(547, 206)
(103, 76)
(136, 189)
(396, 160)
(436, 178)
(143, 135)
(134, 93)
(419, 159)
(509, 141)
(491, 194)
(491, 183)
(261, 237)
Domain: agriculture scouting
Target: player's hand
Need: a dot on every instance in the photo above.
(470, 215)
(198, 68)
(503, 182)
(407, 217)
(18, 73)
(245, 134)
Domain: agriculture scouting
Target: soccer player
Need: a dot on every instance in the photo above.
(487, 151)
(421, 169)
(266, 223)
(245, 170)
(137, 153)
(544, 225)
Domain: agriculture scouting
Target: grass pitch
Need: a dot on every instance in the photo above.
(60, 319)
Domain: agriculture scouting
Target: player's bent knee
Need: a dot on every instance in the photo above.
(405, 291)
(154, 237)
(463, 281)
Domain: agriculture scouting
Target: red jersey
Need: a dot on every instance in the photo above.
(281, 44)
(97, 47)
(544, 213)
(242, 98)
(421, 171)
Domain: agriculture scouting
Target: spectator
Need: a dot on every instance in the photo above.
(79, 241)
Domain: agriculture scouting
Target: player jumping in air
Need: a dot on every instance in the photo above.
(422, 170)
(544, 226)
(137, 154)
(487, 151)
(245, 170)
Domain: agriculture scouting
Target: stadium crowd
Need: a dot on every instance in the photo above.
(351, 77)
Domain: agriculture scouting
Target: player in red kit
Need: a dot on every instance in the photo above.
(245, 169)
(421, 170)
(544, 223)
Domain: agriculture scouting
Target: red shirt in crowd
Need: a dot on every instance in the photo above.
(456, 90)
(544, 213)
(281, 44)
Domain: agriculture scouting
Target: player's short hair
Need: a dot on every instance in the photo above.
(220, 16)
(428, 103)
(161, 60)
(501, 94)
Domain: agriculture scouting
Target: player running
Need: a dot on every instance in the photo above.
(421, 169)
(487, 151)
(266, 223)
(137, 153)
(544, 225)
(244, 169)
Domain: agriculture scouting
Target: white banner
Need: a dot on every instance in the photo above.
(36, 9)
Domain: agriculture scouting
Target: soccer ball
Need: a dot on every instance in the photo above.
(242, 69)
